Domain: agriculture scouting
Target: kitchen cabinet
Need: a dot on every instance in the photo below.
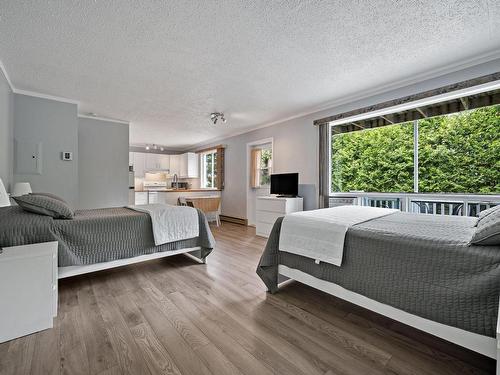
(164, 162)
(152, 162)
(141, 197)
(184, 165)
(189, 166)
(157, 162)
(175, 161)
(145, 162)
(139, 164)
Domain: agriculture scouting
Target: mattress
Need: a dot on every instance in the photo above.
(95, 236)
(422, 264)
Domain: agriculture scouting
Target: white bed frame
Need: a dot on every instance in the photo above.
(69, 271)
(485, 345)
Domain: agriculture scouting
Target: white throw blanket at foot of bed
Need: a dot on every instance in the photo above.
(171, 223)
(320, 234)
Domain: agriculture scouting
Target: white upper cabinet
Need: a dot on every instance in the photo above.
(139, 164)
(189, 165)
(152, 162)
(157, 162)
(175, 164)
(184, 165)
(164, 162)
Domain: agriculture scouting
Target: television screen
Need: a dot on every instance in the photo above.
(285, 184)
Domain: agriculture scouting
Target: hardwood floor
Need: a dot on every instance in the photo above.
(173, 316)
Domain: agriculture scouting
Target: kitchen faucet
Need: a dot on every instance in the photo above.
(176, 181)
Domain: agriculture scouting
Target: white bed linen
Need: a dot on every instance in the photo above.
(320, 234)
(171, 223)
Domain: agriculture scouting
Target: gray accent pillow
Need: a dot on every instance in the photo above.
(53, 196)
(488, 228)
(44, 205)
(488, 211)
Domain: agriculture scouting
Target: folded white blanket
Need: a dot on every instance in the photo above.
(171, 223)
(320, 234)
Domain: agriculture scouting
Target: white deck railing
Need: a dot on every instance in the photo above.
(437, 204)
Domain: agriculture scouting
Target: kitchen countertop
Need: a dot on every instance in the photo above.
(177, 190)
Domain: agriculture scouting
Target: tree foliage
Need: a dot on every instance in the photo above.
(458, 153)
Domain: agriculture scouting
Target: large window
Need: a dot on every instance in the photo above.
(456, 153)
(209, 169)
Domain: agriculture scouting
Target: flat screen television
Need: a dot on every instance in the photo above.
(285, 184)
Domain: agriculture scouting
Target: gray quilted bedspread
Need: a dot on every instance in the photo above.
(95, 236)
(422, 264)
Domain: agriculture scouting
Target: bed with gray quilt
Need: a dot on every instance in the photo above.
(423, 264)
(95, 236)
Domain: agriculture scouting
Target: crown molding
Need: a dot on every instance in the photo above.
(104, 119)
(6, 75)
(45, 96)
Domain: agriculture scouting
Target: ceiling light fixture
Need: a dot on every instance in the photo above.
(216, 116)
(147, 147)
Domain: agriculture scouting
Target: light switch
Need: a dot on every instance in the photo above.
(67, 155)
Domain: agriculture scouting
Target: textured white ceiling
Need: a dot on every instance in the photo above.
(165, 65)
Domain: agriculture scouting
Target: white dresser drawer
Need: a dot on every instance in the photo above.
(271, 205)
(267, 217)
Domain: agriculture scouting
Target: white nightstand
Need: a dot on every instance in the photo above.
(28, 289)
(268, 209)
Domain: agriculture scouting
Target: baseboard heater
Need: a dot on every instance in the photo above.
(235, 220)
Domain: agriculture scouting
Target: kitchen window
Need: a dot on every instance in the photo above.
(209, 169)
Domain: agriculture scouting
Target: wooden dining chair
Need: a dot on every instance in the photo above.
(208, 205)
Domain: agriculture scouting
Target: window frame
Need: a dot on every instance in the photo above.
(416, 144)
(203, 169)
(269, 143)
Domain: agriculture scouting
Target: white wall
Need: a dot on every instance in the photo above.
(291, 140)
(296, 141)
(6, 131)
(55, 125)
(103, 148)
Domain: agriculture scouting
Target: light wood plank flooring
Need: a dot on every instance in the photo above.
(173, 316)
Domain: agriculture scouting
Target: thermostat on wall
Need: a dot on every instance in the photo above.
(66, 155)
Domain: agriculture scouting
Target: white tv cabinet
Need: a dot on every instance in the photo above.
(269, 208)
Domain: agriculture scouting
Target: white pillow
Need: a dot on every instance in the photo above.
(4, 197)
